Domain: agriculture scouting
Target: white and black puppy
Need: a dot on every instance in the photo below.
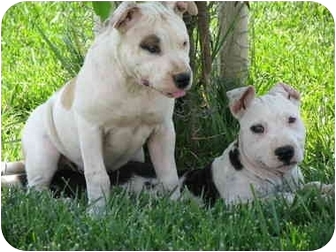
(262, 162)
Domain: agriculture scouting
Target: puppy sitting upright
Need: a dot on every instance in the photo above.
(122, 97)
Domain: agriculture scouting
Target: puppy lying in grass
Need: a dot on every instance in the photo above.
(262, 162)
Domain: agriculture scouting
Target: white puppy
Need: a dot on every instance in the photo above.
(122, 98)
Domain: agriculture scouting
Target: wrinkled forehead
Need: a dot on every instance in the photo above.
(271, 108)
(156, 10)
(162, 21)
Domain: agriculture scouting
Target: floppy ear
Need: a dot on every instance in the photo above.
(287, 91)
(240, 99)
(181, 7)
(127, 14)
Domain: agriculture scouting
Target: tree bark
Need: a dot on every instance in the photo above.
(234, 53)
(204, 38)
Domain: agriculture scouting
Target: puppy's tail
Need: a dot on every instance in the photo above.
(12, 168)
(13, 174)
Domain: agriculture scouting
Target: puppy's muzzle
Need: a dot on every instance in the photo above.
(285, 153)
(182, 80)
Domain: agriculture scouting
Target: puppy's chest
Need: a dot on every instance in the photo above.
(137, 113)
(127, 132)
(133, 120)
(130, 129)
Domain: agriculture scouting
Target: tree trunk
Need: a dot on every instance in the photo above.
(204, 38)
(233, 18)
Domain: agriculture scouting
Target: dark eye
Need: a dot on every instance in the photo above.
(291, 119)
(185, 43)
(153, 49)
(258, 129)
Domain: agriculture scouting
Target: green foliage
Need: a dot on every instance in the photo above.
(43, 46)
(102, 9)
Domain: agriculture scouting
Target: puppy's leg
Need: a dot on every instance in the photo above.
(41, 165)
(161, 146)
(16, 180)
(13, 174)
(97, 179)
(41, 156)
(327, 189)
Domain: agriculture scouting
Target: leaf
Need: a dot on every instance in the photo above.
(102, 9)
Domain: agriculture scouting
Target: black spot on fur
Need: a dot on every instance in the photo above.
(151, 44)
(200, 183)
(126, 172)
(71, 182)
(148, 185)
(235, 159)
(68, 183)
(23, 179)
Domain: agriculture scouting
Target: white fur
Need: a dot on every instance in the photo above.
(263, 174)
(11, 180)
(105, 115)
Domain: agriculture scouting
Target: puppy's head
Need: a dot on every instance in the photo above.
(272, 134)
(153, 45)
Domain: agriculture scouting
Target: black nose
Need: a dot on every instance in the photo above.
(285, 153)
(182, 80)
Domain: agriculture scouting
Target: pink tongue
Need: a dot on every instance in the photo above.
(179, 93)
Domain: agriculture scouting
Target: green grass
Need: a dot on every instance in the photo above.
(147, 224)
(291, 42)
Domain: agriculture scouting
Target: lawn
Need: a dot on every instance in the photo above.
(291, 42)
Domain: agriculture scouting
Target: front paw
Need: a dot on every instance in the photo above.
(175, 194)
(97, 208)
